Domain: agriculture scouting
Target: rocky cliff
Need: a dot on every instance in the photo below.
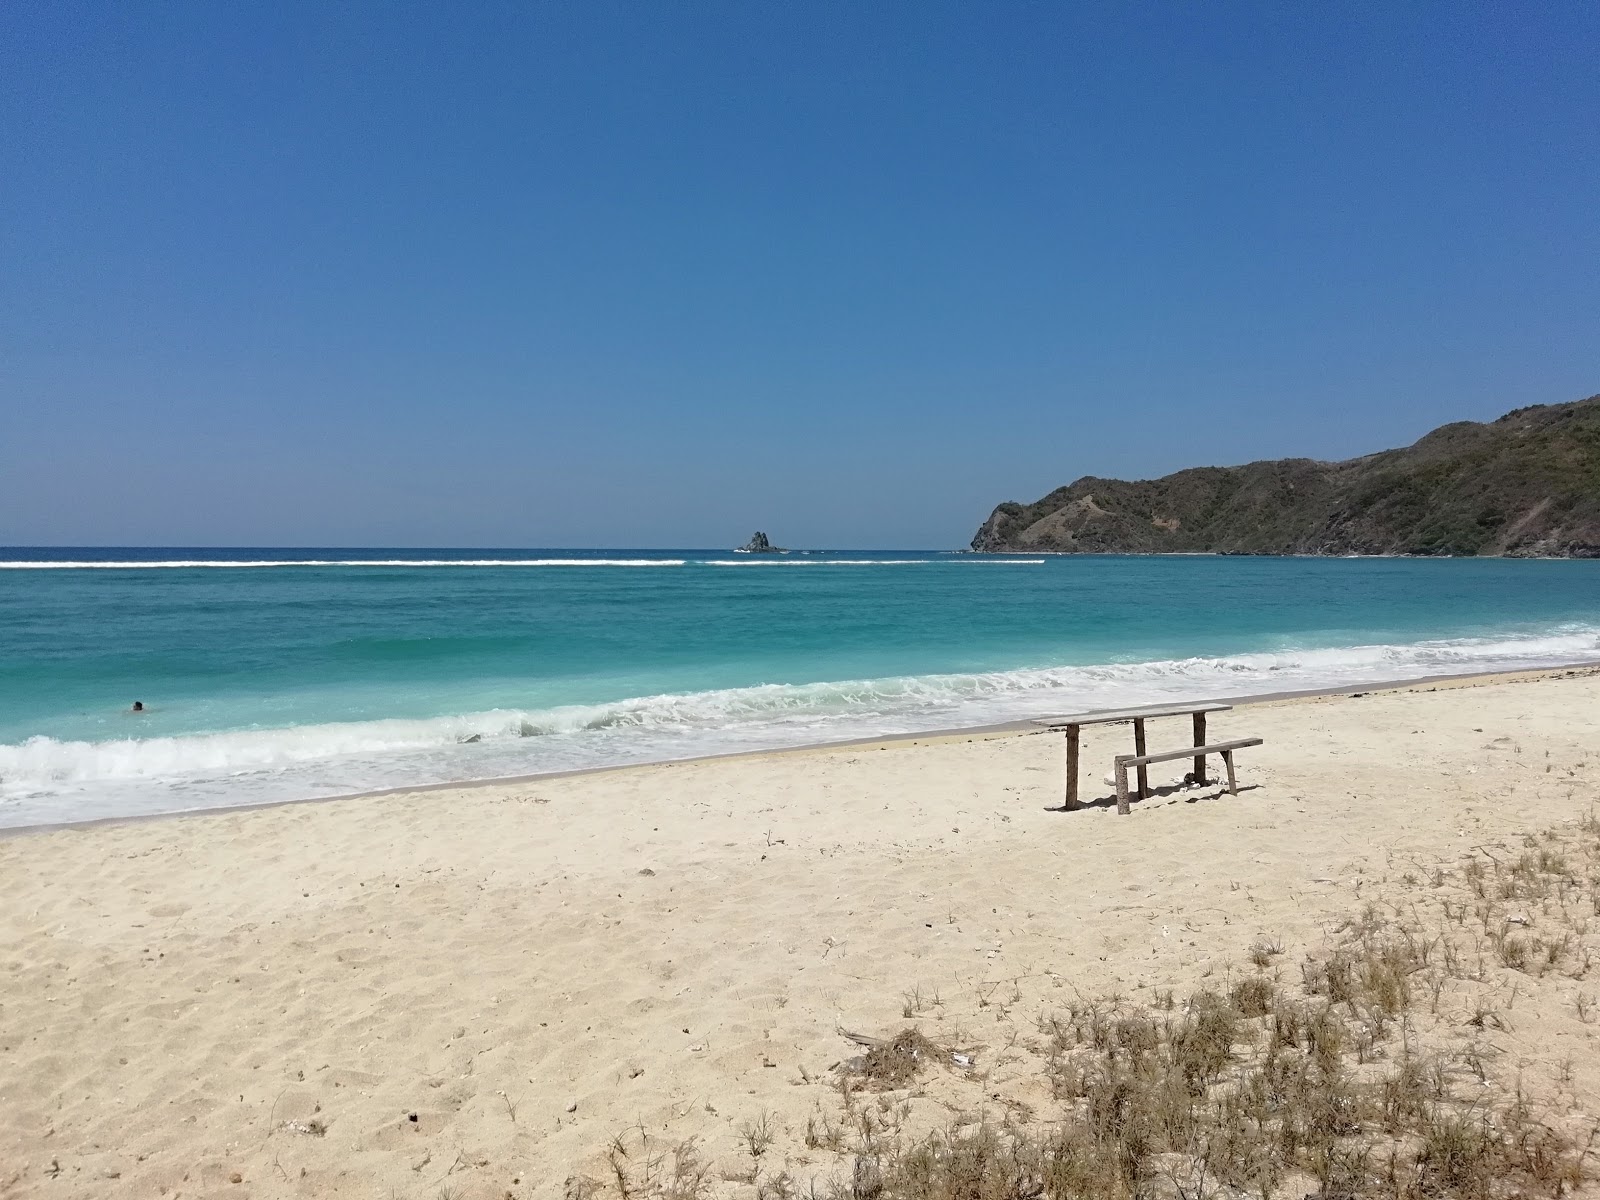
(1525, 485)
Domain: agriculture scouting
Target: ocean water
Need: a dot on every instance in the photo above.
(281, 674)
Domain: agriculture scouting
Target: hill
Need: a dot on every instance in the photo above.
(1525, 485)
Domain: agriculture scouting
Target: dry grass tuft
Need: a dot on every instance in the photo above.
(1253, 996)
(642, 1167)
(897, 1062)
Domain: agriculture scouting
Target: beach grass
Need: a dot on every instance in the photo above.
(1368, 1069)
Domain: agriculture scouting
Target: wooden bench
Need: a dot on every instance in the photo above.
(1071, 726)
(1124, 761)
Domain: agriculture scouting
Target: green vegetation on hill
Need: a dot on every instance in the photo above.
(1525, 485)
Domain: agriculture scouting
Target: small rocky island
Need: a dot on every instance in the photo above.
(760, 545)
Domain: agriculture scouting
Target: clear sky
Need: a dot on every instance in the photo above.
(627, 274)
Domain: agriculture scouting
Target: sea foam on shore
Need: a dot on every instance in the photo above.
(45, 779)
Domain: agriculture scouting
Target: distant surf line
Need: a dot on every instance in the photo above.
(188, 564)
(260, 564)
(865, 562)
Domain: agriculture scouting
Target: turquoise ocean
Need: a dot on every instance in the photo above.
(283, 674)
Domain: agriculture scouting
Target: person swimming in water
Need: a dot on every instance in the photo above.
(138, 706)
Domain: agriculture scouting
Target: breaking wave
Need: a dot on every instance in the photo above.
(45, 779)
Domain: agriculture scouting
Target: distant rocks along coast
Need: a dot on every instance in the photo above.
(1524, 486)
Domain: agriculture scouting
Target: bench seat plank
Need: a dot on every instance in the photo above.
(1135, 760)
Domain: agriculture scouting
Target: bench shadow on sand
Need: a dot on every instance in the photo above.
(1172, 793)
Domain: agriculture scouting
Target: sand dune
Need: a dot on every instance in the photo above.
(473, 991)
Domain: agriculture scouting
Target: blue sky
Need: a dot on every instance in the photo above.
(657, 275)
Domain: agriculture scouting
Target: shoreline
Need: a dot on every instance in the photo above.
(1022, 727)
(483, 990)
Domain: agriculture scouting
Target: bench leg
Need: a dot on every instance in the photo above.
(1138, 748)
(1071, 802)
(1233, 782)
(1199, 740)
(1122, 785)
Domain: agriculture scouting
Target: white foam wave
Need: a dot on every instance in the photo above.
(185, 564)
(44, 779)
(863, 562)
(234, 564)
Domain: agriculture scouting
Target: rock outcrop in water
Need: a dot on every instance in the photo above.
(760, 545)
(1526, 485)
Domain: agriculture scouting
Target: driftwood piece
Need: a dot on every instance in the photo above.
(861, 1039)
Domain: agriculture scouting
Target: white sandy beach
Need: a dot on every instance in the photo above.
(472, 992)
